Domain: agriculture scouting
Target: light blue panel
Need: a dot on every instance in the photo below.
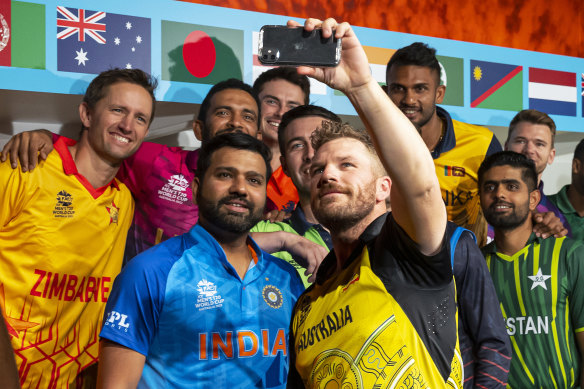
(51, 80)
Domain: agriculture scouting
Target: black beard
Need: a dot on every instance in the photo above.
(233, 222)
(505, 222)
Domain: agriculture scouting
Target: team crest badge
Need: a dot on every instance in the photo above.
(272, 296)
(114, 212)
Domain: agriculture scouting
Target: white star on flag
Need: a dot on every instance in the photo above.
(81, 57)
(128, 66)
(133, 49)
(539, 279)
(128, 26)
(139, 39)
(117, 41)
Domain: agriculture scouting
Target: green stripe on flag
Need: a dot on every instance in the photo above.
(508, 97)
(454, 80)
(228, 50)
(28, 35)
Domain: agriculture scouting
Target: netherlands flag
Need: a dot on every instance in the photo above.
(553, 92)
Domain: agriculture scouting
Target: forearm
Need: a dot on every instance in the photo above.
(270, 242)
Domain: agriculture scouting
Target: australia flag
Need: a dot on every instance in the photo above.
(94, 41)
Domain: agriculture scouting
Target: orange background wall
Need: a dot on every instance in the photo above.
(550, 26)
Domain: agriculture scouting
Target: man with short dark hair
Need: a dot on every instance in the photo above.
(63, 230)
(532, 133)
(413, 84)
(206, 308)
(538, 281)
(570, 199)
(296, 155)
(279, 90)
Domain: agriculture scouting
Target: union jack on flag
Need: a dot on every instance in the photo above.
(81, 24)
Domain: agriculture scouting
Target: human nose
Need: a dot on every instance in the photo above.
(236, 121)
(125, 123)
(309, 154)
(409, 97)
(238, 185)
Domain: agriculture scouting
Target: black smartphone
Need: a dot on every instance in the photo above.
(293, 46)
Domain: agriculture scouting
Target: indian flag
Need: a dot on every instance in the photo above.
(378, 58)
(316, 87)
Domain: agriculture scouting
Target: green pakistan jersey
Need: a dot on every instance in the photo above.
(541, 290)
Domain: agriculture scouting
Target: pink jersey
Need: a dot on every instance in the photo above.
(160, 180)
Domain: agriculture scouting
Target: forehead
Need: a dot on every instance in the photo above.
(236, 98)
(282, 89)
(302, 127)
(504, 172)
(532, 131)
(240, 160)
(122, 90)
(343, 148)
(411, 74)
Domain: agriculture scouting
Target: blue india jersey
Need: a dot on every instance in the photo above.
(183, 306)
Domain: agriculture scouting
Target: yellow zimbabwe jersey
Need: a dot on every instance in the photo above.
(457, 159)
(388, 319)
(61, 246)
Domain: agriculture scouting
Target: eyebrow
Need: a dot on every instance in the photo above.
(232, 169)
(505, 181)
(229, 107)
(295, 139)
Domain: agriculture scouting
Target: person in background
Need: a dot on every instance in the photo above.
(570, 199)
(539, 281)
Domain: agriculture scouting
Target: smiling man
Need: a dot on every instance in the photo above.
(63, 229)
(413, 84)
(206, 308)
(538, 281)
(279, 90)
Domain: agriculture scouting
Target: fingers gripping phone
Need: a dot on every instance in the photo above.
(293, 46)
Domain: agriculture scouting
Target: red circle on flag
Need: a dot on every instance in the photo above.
(199, 54)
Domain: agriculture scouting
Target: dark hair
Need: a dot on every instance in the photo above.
(97, 89)
(515, 160)
(236, 140)
(303, 111)
(287, 74)
(418, 54)
(232, 83)
(579, 151)
(533, 116)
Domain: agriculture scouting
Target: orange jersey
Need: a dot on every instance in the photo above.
(61, 246)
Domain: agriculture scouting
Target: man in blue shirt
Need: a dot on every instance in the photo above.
(207, 307)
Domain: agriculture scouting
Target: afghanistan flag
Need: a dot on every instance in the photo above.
(200, 54)
(22, 34)
(496, 86)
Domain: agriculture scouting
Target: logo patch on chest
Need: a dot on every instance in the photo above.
(64, 206)
(272, 296)
(208, 297)
(175, 189)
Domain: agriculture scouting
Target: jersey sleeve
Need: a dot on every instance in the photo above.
(15, 188)
(134, 305)
(486, 344)
(575, 265)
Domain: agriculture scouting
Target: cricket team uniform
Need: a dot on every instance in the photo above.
(297, 224)
(160, 180)
(183, 306)
(576, 222)
(541, 292)
(61, 246)
(457, 159)
(388, 319)
(281, 192)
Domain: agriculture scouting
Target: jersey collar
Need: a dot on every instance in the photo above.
(448, 142)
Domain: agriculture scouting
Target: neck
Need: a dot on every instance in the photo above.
(233, 244)
(306, 208)
(95, 169)
(345, 242)
(509, 242)
(576, 199)
(432, 131)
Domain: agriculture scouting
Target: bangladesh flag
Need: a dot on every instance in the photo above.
(200, 54)
(451, 75)
(22, 34)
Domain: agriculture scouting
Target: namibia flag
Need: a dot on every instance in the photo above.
(496, 86)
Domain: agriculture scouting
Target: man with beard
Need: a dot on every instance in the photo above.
(539, 281)
(382, 311)
(206, 308)
(413, 84)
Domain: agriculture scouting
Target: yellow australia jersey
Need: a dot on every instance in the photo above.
(457, 171)
(61, 246)
(350, 332)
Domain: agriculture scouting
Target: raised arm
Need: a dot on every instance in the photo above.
(415, 195)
